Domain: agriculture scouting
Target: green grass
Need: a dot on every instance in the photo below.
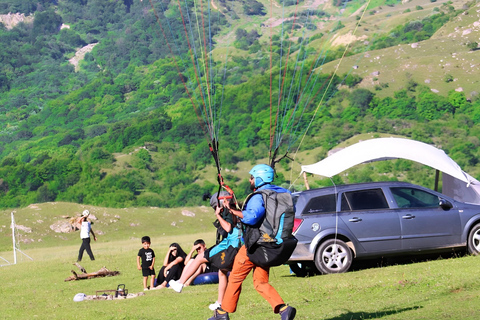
(439, 289)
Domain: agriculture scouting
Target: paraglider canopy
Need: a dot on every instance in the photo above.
(399, 148)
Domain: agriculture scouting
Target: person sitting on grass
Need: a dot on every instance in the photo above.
(198, 247)
(173, 265)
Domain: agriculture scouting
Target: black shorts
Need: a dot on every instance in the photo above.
(148, 272)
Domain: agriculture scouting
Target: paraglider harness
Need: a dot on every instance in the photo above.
(221, 233)
(272, 243)
(224, 259)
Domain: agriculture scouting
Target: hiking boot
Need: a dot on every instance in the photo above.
(288, 313)
(214, 306)
(218, 316)
(175, 285)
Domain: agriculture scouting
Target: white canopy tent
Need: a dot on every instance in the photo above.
(456, 183)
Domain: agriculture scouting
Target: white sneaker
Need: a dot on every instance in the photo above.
(175, 285)
(145, 289)
(214, 306)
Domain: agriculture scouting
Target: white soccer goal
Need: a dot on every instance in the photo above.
(15, 245)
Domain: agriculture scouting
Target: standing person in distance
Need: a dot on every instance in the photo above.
(147, 256)
(85, 231)
(252, 216)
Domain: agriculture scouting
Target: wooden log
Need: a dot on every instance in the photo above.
(103, 272)
(80, 267)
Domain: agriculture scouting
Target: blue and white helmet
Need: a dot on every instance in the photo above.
(262, 174)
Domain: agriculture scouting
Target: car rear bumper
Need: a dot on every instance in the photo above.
(302, 253)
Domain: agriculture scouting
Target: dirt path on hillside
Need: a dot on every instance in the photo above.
(275, 3)
(314, 4)
(80, 54)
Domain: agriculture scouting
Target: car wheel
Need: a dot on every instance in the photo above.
(473, 244)
(333, 256)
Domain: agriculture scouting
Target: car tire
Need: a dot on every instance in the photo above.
(333, 256)
(473, 243)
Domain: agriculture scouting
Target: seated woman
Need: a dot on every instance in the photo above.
(173, 265)
(220, 255)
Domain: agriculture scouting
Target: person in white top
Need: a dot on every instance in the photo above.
(85, 231)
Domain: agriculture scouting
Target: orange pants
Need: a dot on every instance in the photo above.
(241, 268)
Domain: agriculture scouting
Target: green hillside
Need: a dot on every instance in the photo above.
(113, 103)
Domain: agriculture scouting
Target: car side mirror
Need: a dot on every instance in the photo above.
(445, 205)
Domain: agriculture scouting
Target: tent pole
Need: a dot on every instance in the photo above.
(305, 180)
(437, 175)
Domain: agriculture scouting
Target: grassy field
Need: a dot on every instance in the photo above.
(436, 289)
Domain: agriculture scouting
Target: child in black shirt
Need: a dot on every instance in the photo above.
(148, 261)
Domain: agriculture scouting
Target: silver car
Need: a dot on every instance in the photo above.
(335, 225)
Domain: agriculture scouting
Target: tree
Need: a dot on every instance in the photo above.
(472, 45)
(253, 7)
(44, 194)
(431, 106)
(360, 99)
(351, 80)
(47, 22)
(458, 100)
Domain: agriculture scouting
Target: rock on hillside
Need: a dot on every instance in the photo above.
(10, 20)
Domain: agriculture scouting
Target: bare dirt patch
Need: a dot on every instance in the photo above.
(347, 39)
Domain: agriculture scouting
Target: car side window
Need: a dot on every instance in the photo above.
(322, 204)
(414, 198)
(364, 200)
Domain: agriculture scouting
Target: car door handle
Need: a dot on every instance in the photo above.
(355, 219)
(408, 216)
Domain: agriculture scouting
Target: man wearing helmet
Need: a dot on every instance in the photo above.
(252, 215)
(85, 231)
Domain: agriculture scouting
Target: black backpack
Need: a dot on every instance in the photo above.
(272, 243)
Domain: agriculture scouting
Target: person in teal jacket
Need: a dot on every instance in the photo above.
(220, 255)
